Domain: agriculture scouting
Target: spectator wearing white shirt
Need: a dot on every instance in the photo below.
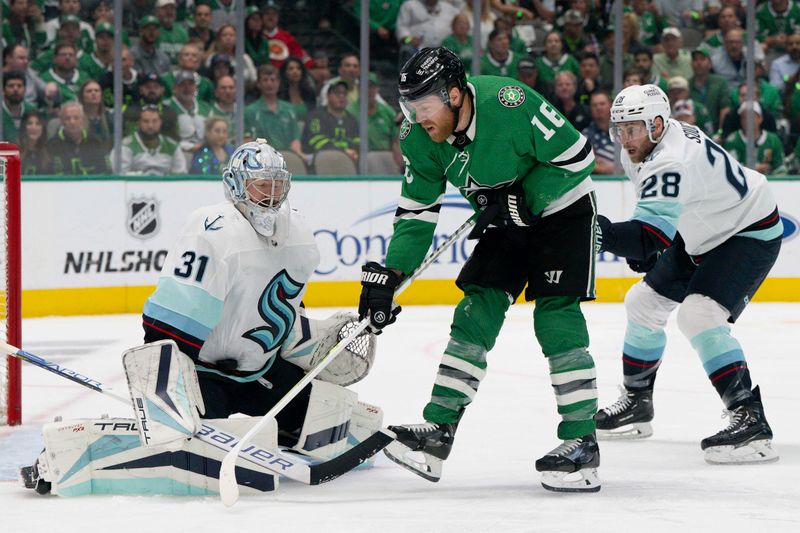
(423, 24)
(787, 65)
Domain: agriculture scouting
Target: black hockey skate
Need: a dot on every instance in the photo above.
(433, 441)
(746, 440)
(30, 478)
(627, 418)
(574, 456)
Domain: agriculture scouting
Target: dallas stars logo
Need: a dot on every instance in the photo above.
(511, 96)
(472, 186)
(405, 129)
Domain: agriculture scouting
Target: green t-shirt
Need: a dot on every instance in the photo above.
(67, 87)
(769, 149)
(11, 124)
(516, 136)
(205, 89)
(770, 97)
(381, 13)
(548, 69)
(464, 51)
(170, 41)
(490, 67)
(770, 23)
(381, 126)
(279, 128)
(93, 68)
(715, 95)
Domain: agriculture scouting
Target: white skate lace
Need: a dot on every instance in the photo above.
(422, 429)
(735, 418)
(620, 405)
(566, 447)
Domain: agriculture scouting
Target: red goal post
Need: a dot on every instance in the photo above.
(11, 290)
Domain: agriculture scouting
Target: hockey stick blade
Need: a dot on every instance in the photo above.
(292, 466)
(228, 487)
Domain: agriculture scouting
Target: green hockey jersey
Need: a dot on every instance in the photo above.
(515, 135)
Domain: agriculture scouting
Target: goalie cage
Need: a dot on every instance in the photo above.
(10, 292)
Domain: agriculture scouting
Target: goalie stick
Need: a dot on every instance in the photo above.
(228, 487)
(292, 466)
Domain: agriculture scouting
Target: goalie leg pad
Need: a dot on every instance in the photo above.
(104, 456)
(165, 392)
(336, 421)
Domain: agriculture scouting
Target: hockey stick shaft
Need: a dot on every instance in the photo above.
(228, 487)
(290, 466)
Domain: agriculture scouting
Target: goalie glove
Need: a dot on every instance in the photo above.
(165, 392)
(378, 284)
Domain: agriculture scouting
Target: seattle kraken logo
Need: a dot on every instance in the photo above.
(275, 310)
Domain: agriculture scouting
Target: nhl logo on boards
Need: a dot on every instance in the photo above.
(142, 220)
(511, 96)
(405, 129)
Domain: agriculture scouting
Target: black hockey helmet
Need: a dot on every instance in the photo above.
(430, 71)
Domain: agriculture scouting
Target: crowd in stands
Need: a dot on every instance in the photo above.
(179, 75)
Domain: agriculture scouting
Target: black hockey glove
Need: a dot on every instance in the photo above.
(605, 235)
(378, 284)
(503, 208)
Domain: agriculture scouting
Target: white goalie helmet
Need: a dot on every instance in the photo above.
(257, 182)
(639, 103)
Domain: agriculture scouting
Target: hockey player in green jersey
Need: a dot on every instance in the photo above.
(518, 161)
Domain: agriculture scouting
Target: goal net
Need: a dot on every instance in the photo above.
(10, 289)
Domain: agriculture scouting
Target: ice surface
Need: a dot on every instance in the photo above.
(489, 482)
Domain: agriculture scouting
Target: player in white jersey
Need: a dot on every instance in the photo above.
(225, 333)
(707, 231)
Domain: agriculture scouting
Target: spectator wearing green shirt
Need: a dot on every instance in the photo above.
(708, 88)
(727, 19)
(555, 59)
(769, 149)
(650, 22)
(382, 20)
(171, 37)
(271, 118)
(101, 60)
(460, 41)
(14, 104)
(382, 124)
(48, 33)
(775, 20)
(499, 59)
(256, 45)
(68, 31)
(18, 26)
(64, 72)
(190, 58)
(674, 60)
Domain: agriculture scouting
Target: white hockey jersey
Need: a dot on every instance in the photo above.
(691, 185)
(229, 291)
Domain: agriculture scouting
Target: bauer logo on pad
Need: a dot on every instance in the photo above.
(142, 220)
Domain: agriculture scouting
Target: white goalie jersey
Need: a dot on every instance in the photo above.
(229, 296)
(691, 185)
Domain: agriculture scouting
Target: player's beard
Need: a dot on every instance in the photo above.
(443, 129)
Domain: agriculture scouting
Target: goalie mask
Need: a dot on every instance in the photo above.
(257, 182)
